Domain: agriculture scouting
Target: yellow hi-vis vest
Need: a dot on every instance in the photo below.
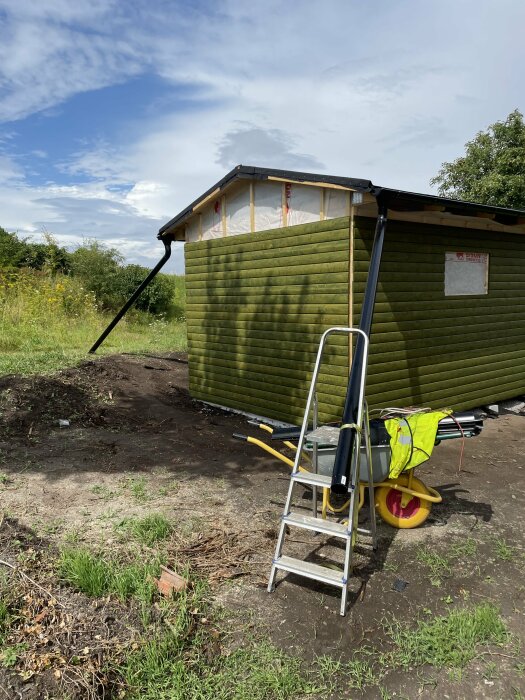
(412, 439)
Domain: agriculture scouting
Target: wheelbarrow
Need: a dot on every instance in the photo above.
(402, 502)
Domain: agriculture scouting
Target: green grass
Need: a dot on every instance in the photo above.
(186, 651)
(97, 576)
(103, 492)
(450, 641)
(5, 615)
(165, 669)
(465, 548)
(50, 322)
(137, 487)
(8, 610)
(438, 565)
(184, 655)
(503, 550)
(329, 671)
(148, 530)
(183, 661)
(360, 673)
(85, 571)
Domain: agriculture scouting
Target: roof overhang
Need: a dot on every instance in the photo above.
(410, 206)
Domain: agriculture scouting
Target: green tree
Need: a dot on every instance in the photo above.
(19, 252)
(158, 296)
(47, 255)
(492, 171)
(102, 272)
(12, 249)
(98, 267)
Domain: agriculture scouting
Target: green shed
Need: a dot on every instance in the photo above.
(274, 257)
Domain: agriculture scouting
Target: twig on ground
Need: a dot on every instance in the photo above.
(17, 570)
(497, 653)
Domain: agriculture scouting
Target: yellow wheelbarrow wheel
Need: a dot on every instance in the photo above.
(401, 509)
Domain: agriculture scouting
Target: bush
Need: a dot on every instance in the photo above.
(11, 249)
(46, 256)
(98, 268)
(179, 297)
(112, 283)
(158, 295)
(18, 252)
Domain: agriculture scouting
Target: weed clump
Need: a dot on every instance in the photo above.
(149, 530)
(98, 577)
(450, 641)
(180, 653)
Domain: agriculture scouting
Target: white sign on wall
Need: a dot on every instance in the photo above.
(466, 273)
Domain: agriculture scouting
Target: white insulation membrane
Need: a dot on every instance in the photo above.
(268, 205)
(192, 230)
(304, 204)
(336, 203)
(212, 221)
(238, 212)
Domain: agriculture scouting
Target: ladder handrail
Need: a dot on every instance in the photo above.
(334, 329)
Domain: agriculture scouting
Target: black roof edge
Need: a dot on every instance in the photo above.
(395, 199)
(251, 172)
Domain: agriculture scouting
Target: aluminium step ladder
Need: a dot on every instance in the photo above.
(345, 531)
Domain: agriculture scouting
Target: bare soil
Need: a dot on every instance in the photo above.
(62, 637)
(137, 443)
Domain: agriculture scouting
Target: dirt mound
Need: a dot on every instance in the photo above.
(91, 394)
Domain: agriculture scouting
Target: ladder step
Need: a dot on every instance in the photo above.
(332, 577)
(308, 522)
(312, 479)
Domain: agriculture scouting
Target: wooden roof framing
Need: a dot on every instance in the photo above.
(404, 206)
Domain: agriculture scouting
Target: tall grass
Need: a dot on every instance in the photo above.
(49, 321)
(149, 530)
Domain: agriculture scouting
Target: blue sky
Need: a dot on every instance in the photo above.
(115, 115)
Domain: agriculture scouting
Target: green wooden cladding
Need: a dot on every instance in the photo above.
(258, 304)
(431, 350)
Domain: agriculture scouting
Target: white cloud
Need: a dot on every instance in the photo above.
(73, 214)
(9, 170)
(385, 92)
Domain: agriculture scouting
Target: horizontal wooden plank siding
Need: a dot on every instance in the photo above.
(257, 305)
(432, 350)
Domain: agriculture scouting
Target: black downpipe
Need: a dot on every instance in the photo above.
(348, 437)
(133, 298)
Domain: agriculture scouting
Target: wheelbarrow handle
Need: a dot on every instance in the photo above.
(239, 436)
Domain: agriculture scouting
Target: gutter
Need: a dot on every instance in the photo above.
(350, 434)
(133, 298)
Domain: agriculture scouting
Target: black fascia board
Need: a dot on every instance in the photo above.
(401, 200)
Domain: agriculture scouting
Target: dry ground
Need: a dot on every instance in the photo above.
(138, 444)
